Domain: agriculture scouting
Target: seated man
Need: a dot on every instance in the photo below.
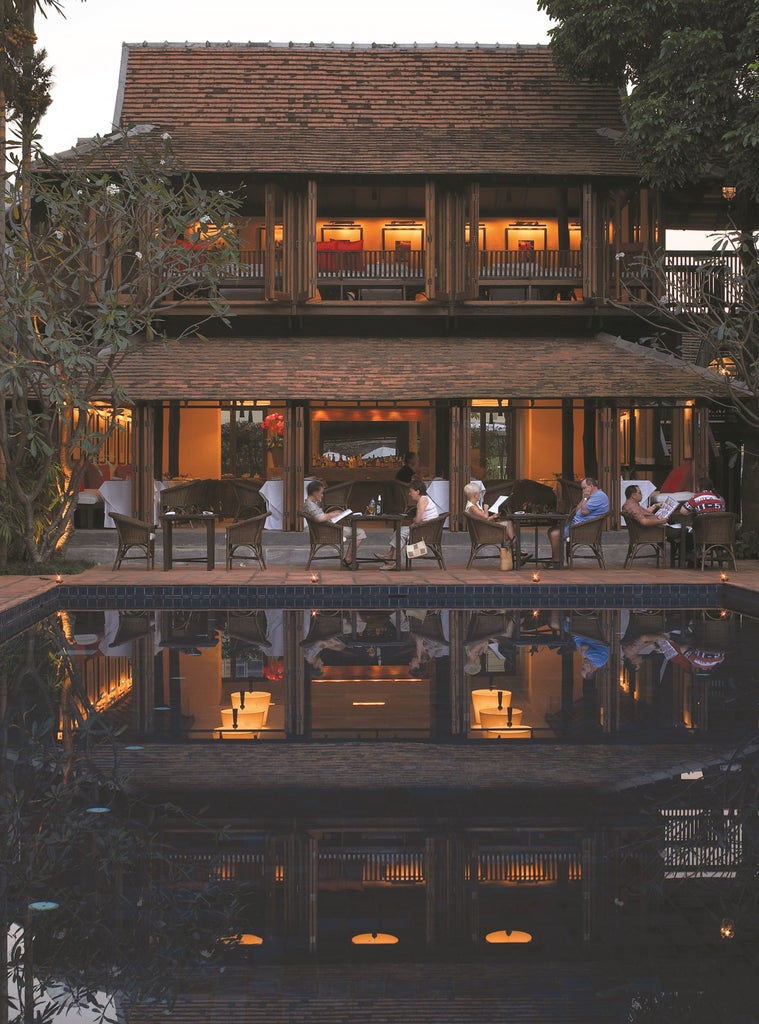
(594, 503)
(632, 508)
(704, 501)
(312, 509)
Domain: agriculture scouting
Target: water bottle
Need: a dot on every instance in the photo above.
(379, 504)
(372, 507)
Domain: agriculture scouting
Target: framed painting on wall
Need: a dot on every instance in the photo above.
(526, 237)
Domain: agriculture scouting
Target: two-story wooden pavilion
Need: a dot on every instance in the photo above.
(433, 258)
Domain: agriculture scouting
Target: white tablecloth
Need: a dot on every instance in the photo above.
(440, 492)
(117, 497)
(273, 492)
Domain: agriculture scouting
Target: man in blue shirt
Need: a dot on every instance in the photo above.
(594, 503)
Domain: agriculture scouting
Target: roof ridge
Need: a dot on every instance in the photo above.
(270, 44)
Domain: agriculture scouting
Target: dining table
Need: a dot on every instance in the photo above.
(169, 520)
(523, 523)
(394, 519)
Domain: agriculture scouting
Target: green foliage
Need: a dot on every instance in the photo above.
(128, 917)
(91, 266)
(690, 73)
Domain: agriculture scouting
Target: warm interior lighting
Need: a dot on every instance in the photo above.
(729, 192)
(727, 928)
(369, 703)
(374, 939)
(508, 936)
(489, 699)
(244, 939)
(724, 366)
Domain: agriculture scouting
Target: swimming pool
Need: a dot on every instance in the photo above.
(534, 675)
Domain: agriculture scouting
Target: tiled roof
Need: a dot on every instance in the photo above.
(369, 369)
(410, 110)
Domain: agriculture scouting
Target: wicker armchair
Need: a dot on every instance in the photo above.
(431, 533)
(642, 537)
(186, 499)
(246, 533)
(714, 537)
(324, 535)
(588, 534)
(134, 533)
(484, 534)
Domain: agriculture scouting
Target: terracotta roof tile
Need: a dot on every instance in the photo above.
(346, 368)
(468, 110)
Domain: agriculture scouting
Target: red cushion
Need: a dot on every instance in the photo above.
(123, 471)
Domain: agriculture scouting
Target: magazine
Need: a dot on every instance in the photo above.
(497, 503)
(343, 515)
(668, 506)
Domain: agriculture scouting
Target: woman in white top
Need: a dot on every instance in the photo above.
(475, 508)
(426, 509)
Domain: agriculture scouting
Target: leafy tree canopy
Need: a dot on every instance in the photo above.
(688, 71)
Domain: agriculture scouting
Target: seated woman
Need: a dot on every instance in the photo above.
(426, 509)
(475, 508)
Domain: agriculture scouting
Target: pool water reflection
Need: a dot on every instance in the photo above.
(503, 872)
(535, 675)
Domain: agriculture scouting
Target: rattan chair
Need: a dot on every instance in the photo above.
(642, 537)
(587, 535)
(324, 535)
(246, 533)
(134, 533)
(431, 533)
(714, 537)
(484, 534)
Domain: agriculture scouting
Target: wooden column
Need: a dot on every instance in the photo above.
(608, 457)
(567, 439)
(459, 688)
(143, 468)
(460, 441)
(293, 466)
(701, 441)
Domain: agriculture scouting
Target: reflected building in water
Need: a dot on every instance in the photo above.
(507, 850)
(535, 675)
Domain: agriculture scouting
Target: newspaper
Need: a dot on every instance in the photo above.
(343, 515)
(668, 506)
(497, 503)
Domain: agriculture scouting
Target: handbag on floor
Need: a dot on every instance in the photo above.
(416, 550)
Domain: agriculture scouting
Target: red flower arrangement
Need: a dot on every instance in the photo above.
(274, 425)
(275, 670)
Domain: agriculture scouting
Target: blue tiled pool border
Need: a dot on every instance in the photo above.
(401, 595)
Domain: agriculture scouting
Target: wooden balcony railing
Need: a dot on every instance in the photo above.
(692, 281)
(371, 265)
(511, 264)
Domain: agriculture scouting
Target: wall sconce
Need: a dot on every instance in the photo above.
(508, 936)
(729, 192)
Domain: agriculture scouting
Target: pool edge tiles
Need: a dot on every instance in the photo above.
(396, 595)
